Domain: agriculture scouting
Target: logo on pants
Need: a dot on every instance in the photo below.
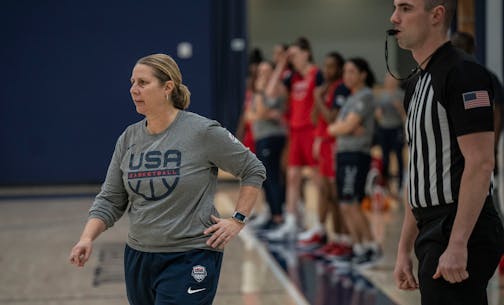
(199, 273)
(349, 180)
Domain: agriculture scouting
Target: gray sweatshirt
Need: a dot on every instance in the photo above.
(360, 103)
(167, 182)
(391, 116)
(265, 128)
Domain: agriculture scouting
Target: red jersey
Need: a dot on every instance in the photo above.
(301, 98)
(335, 98)
(248, 137)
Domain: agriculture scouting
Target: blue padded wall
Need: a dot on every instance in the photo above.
(65, 79)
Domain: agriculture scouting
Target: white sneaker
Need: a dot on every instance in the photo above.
(287, 231)
(308, 234)
(369, 258)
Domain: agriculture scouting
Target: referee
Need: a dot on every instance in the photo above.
(452, 224)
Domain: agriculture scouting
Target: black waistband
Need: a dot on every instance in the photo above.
(440, 210)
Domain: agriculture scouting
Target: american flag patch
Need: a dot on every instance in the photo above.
(476, 99)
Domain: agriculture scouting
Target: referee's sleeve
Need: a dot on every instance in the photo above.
(469, 98)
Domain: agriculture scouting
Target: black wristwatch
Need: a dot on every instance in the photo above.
(239, 217)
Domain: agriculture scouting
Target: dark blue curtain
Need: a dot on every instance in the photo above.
(65, 77)
(480, 30)
(229, 60)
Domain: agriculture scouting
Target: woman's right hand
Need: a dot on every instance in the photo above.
(320, 92)
(81, 252)
(359, 131)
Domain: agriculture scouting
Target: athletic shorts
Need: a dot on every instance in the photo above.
(188, 278)
(326, 162)
(351, 172)
(301, 147)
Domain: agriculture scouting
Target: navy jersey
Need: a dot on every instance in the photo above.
(340, 95)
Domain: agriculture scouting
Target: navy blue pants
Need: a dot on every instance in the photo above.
(269, 152)
(188, 278)
(351, 172)
(392, 140)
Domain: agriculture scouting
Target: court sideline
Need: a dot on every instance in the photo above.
(38, 226)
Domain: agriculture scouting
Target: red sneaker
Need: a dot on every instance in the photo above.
(340, 250)
(325, 250)
(311, 239)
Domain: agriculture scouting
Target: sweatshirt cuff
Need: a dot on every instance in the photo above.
(102, 216)
(253, 181)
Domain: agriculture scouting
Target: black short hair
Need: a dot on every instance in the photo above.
(255, 56)
(450, 7)
(340, 61)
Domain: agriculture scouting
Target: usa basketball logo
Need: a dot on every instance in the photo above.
(199, 273)
(154, 174)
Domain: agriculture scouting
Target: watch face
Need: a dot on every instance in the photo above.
(239, 216)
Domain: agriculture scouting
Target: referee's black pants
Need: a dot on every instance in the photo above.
(485, 247)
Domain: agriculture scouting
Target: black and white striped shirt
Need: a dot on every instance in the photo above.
(441, 106)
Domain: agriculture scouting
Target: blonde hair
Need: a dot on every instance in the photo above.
(165, 69)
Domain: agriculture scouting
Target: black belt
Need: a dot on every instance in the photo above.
(436, 211)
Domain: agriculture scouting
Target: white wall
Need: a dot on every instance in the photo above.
(351, 27)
